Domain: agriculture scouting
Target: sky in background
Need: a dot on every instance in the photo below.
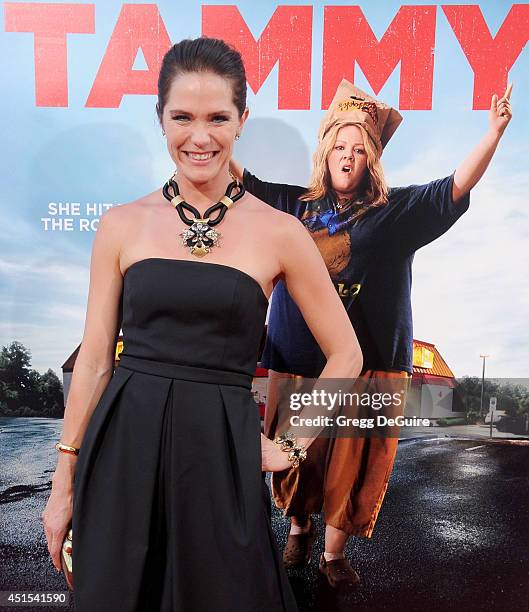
(470, 291)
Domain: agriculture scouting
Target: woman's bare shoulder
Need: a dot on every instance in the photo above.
(124, 220)
(133, 211)
(144, 204)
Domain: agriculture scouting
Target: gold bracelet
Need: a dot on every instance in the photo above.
(288, 443)
(63, 448)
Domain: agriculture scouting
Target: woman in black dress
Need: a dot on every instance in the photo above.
(165, 496)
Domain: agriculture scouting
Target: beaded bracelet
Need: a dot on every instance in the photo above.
(63, 448)
(288, 443)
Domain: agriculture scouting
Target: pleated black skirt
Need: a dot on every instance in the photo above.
(170, 509)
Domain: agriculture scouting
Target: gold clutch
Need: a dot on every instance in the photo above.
(66, 559)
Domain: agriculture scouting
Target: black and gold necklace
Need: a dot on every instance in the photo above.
(200, 238)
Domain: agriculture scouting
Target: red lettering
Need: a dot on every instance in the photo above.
(138, 26)
(410, 40)
(285, 40)
(50, 23)
(490, 58)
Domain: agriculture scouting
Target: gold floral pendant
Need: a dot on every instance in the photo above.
(200, 238)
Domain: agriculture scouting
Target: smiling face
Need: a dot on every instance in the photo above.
(347, 161)
(200, 122)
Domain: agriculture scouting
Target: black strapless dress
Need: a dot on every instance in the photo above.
(170, 510)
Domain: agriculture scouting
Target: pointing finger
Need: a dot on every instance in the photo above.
(493, 102)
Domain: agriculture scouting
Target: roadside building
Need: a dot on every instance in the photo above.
(432, 386)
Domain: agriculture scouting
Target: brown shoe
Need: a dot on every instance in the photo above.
(339, 573)
(298, 549)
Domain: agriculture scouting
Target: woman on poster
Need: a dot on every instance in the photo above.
(367, 234)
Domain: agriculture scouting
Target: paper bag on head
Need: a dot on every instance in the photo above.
(352, 105)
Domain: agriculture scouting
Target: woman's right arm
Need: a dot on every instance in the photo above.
(92, 371)
(308, 282)
(281, 196)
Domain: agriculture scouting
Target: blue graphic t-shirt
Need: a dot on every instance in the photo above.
(369, 261)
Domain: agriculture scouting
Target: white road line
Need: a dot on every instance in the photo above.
(475, 447)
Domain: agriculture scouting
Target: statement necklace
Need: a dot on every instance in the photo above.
(200, 238)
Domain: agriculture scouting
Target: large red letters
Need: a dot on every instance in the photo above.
(286, 40)
(138, 26)
(490, 58)
(349, 39)
(50, 23)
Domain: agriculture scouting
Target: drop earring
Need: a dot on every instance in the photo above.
(237, 136)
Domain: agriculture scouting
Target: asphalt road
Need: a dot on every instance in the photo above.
(453, 533)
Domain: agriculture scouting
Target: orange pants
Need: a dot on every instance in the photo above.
(347, 478)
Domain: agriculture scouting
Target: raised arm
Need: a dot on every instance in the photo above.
(92, 371)
(470, 171)
(422, 213)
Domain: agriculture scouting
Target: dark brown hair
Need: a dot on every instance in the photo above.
(202, 55)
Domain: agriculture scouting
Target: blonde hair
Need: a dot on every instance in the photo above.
(375, 189)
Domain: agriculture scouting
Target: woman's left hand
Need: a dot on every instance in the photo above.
(273, 459)
(500, 111)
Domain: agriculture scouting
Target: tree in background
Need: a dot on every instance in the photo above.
(24, 391)
(512, 398)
